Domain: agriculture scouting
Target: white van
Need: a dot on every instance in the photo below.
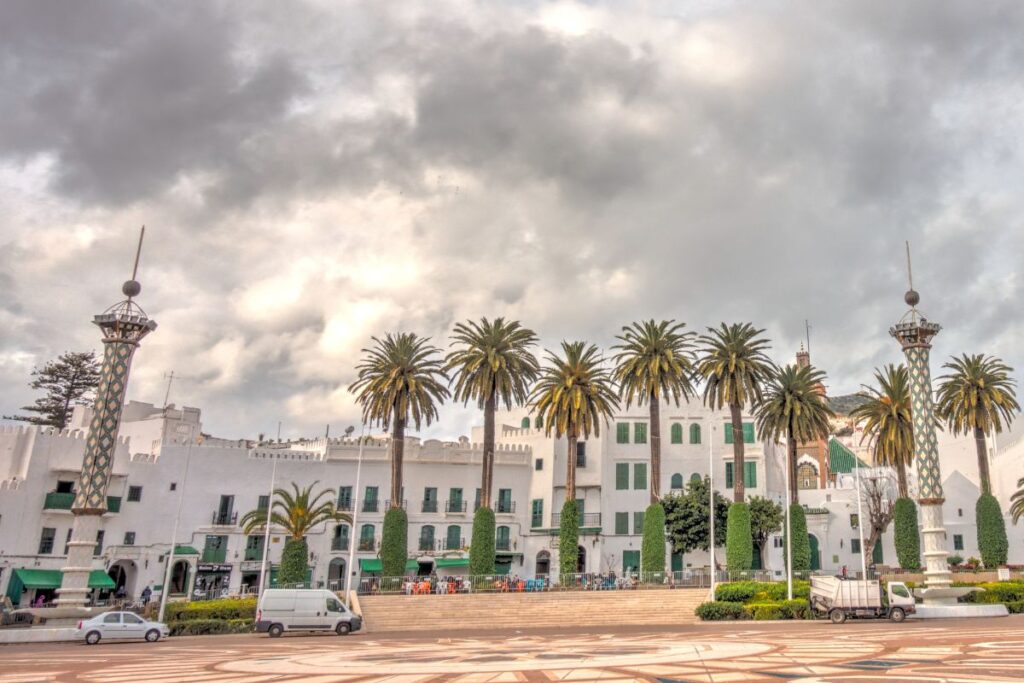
(283, 610)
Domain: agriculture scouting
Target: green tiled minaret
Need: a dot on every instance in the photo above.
(123, 325)
(914, 333)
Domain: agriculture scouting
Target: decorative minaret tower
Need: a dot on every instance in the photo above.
(124, 325)
(914, 334)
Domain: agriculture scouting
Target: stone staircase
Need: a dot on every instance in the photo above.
(498, 611)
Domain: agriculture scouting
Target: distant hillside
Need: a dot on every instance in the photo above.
(842, 405)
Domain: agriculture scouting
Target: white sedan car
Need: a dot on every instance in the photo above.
(121, 626)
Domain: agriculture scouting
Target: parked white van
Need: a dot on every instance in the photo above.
(289, 610)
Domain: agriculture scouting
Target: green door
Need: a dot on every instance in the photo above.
(876, 554)
(756, 558)
(630, 561)
(815, 553)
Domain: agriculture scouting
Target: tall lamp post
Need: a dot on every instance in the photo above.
(174, 533)
(350, 568)
(711, 498)
(124, 325)
(789, 532)
(266, 527)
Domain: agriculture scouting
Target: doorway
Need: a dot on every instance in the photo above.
(815, 552)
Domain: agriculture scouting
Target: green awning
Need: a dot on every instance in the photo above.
(99, 579)
(51, 578)
(374, 565)
(452, 562)
(841, 459)
(185, 550)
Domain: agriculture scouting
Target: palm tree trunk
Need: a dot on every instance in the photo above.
(739, 485)
(487, 480)
(570, 471)
(983, 472)
(655, 448)
(901, 479)
(397, 455)
(794, 490)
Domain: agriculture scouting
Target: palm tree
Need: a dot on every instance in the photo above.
(571, 398)
(493, 364)
(734, 366)
(655, 361)
(399, 379)
(297, 512)
(794, 408)
(1017, 501)
(978, 396)
(885, 417)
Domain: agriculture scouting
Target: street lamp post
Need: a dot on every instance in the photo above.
(789, 532)
(711, 504)
(266, 529)
(174, 534)
(350, 569)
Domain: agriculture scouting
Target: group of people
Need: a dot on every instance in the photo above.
(433, 584)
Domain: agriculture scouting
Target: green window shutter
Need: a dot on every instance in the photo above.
(695, 433)
(677, 481)
(677, 433)
(454, 540)
(728, 432)
(525, 424)
(621, 476)
(750, 474)
(638, 523)
(639, 475)
(537, 512)
(621, 523)
(640, 432)
(748, 432)
(579, 506)
(622, 432)
(677, 562)
(630, 561)
(728, 475)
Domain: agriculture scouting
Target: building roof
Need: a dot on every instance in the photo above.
(841, 460)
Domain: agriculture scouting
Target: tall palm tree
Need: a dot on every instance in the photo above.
(655, 360)
(493, 363)
(794, 408)
(572, 397)
(400, 379)
(886, 420)
(978, 396)
(1017, 501)
(734, 366)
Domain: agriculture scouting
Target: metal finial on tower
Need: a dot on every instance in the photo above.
(911, 297)
(132, 287)
(807, 329)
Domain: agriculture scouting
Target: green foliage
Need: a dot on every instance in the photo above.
(885, 416)
(294, 562)
(908, 540)
(759, 591)
(394, 544)
(978, 393)
(1017, 501)
(654, 360)
(568, 538)
(793, 407)
(493, 359)
(297, 511)
(1005, 592)
(574, 394)
(763, 610)
(720, 611)
(481, 547)
(844, 405)
(992, 540)
(69, 381)
(652, 548)
(209, 609)
(801, 542)
(734, 365)
(766, 518)
(686, 517)
(739, 550)
(955, 560)
(204, 627)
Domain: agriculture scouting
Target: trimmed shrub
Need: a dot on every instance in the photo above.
(220, 610)
(801, 542)
(739, 548)
(481, 547)
(720, 611)
(765, 611)
(796, 608)
(394, 543)
(908, 540)
(203, 627)
(294, 562)
(991, 531)
(1005, 592)
(568, 539)
(760, 591)
(652, 547)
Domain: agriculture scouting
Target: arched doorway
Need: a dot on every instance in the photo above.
(581, 560)
(122, 573)
(815, 552)
(179, 577)
(543, 563)
(336, 574)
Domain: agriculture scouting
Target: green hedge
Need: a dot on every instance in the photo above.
(759, 591)
(1005, 592)
(720, 611)
(481, 546)
(568, 539)
(221, 610)
(294, 562)
(801, 541)
(908, 540)
(739, 546)
(991, 532)
(394, 543)
(758, 611)
(203, 627)
(652, 547)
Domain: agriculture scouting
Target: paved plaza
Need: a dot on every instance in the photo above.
(952, 651)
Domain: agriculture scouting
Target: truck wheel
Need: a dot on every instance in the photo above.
(342, 629)
(275, 631)
(837, 616)
(897, 614)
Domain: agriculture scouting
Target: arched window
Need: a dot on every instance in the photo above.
(453, 539)
(695, 433)
(677, 432)
(366, 537)
(340, 540)
(427, 537)
(525, 424)
(696, 477)
(540, 422)
(677, 481)
(806, 476)
(501, 538)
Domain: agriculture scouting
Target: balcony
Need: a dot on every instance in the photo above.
(64, 501)
(344, 505)
(426, 544)
(367, 544)
(224, 518)
(402, 504)
(505, 507)
(430, 506)
(503, 544)
(371, 505)
(587, 519)
(339, 543)
(253, 555)
(455, 507)
(454, 543)
(214, 555)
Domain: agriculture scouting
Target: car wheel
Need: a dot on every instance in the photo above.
(275, 630)
(342, 629)
(152, 635)
(897, 614)
(92, 637)
(837, 616)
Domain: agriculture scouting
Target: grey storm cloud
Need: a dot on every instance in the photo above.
(313, 175)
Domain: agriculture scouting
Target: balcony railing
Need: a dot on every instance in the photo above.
(403, 504)
(536, 521)
(587, 519)
(454, 543)
(503, 544)
(427, 544)
(457, 507)
(371, 505)
(430, 506)
(215, 555)
(224, 518)
(253, 555)
(367, 544)
(505, 507)
(339, 543)
(344, 505)
(64, 501)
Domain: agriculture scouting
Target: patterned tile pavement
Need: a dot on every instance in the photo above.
(955, 652)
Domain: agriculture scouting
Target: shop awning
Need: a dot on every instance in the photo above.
(51, 578)
(452, 562)
(185, 550)
(374, 565)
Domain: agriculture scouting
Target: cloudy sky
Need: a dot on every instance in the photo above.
(311, 174)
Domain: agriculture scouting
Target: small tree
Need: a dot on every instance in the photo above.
(69, 381)
(482, 563)
(739, 549)
(878, 494)
(992, 541)
(908, 540)
(652, 547)
(765, 519)
(686, 517)
(801, 544)
(394, 542)
(569, 533)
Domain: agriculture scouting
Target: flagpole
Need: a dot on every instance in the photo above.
(350, 568)
(174, 534)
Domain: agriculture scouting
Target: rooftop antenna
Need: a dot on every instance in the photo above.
(167, 394)
(911, 297)
(132, 287)
(807, 329)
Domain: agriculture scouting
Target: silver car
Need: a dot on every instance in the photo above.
(121, 626)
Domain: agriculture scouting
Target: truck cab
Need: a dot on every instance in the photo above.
(841, 599)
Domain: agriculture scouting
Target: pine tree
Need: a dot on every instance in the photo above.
(69, 381)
